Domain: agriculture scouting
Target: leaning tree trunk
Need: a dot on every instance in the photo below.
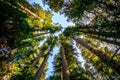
(5, 51)
(36, 60)
(103, 34)
(65, 70)
(41, 68)
(39, 34)
(23, 9)
(115, 65)
(115, 42)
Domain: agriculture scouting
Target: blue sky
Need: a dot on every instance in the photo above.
(57, 18)
(61, 19)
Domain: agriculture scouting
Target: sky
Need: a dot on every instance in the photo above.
(61, 19)
(57, 18)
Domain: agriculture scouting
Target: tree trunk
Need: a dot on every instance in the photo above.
(104, 34)
(61, 75)
(26, 10)
(39, 34)
(65, 70)
(107, 40)
(36, 61)
(23, 9)
(115, 65)
(41, 68)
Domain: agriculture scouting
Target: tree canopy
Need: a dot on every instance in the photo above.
(28, 37)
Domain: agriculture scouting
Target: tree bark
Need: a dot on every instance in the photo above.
(115, 65)
(41, 68)
(36, 61)
(107, 40)
(65, 70)
(39, 34)
(104, 34)
(26, 10)
(23, 9)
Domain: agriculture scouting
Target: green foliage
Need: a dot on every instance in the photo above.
(79, 7)
(99, 67)
(37, 23)
(71, 31)
(96, 20)
(55, 5)
(76, 71)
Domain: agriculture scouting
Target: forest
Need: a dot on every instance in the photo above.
(28, 37)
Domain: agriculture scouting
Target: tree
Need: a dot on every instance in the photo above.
(23, 26)
(96, 67)
(98, 53)
(74, 66)
(66, 73)
(51, 42)
(65, 69)
(41, 68)
(17, 34)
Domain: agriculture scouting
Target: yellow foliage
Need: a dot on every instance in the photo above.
(96, 59)
(110, 70)
(84, 75)
(38, 23)
(46, 44)
(41, 14)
